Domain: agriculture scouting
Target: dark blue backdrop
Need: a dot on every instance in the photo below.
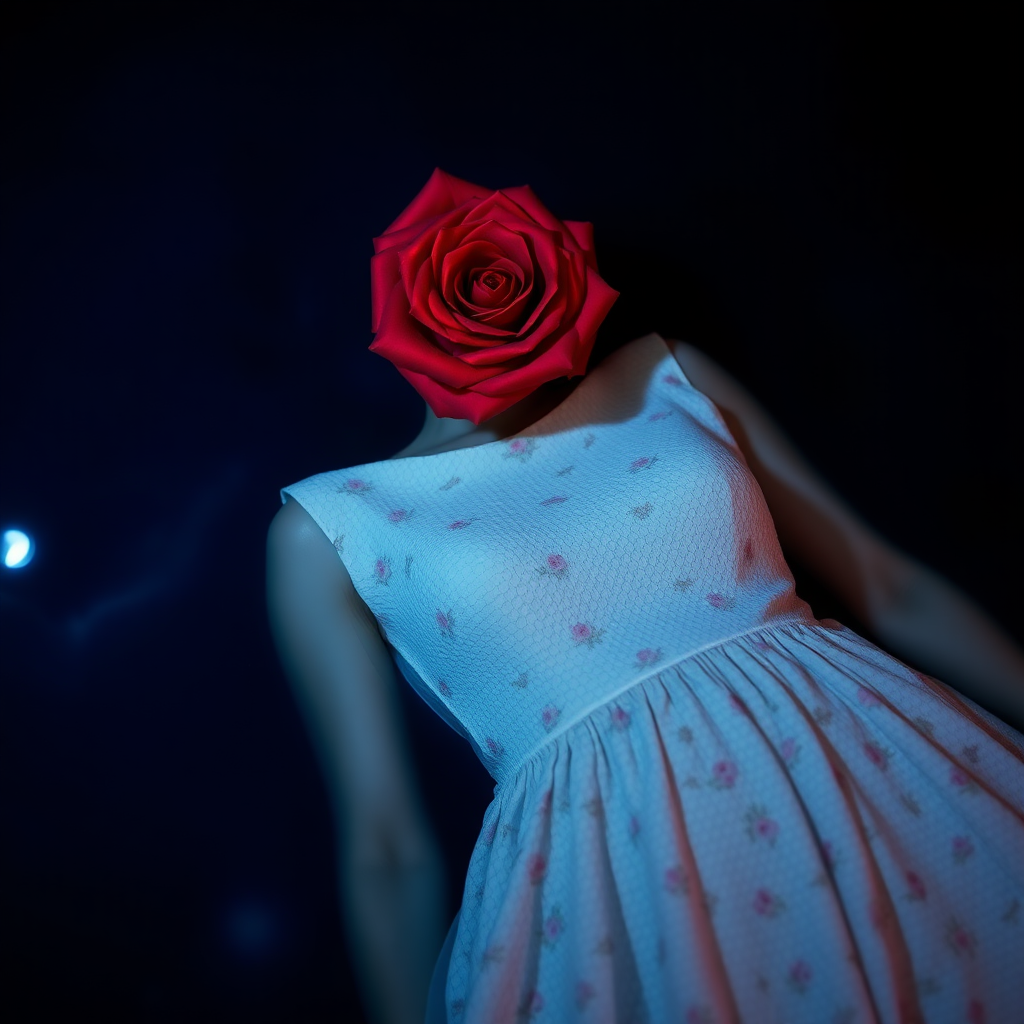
(826, 199)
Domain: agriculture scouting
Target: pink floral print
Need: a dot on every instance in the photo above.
(620, 718)
(822, 715)
(647, 657)
(399, 515)
(644, 462)
(721, 602)
(960, 939)
(536, 868)
(532, 1004)
(554, 565)
(915, 886)
(676, 881)
(382, 571)
(910, 803)
(789, 751)
(877, 755)
(549, 717)
(760, 826)
(355, 486)
(723, 774)
(585, 633)
(520, 448)
(446, 690)
(495, 747)
(633, 828)
(553, 927)
(963, 848)
(925, 725)
(867, 698)
(555, 500)
(460, 524)
(492, 955)
(671, 378)
(799, 976)
(961, 780)
(445, 623)
(768, 904)
(584, 993)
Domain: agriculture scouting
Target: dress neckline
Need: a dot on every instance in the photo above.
(525, 431)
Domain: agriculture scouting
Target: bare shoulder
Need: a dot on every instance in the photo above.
(709, 376)
(293, 528)
(302, 562)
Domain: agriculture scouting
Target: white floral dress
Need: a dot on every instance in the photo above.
(710, 807)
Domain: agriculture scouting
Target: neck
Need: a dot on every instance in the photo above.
(444, 431)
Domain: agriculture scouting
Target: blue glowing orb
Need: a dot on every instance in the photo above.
(17, 549)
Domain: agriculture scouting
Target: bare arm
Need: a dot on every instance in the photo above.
(390, 868)
(913, 611)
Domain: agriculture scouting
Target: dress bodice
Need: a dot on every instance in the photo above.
(522, 583)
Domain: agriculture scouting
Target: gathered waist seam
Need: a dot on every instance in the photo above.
(639, 681)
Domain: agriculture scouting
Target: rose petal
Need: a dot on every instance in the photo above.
(491, 288)
(556, 317)
(401, 340)
(480, 255)
(506, 242)
(600, 299)
(406, 236)
(547, 261)
(458, 403)
(555, 361)
(525, 198)
(441, 193)
(469, 331)
(583, 232)
(413, 258)
(427, 306)
(564, 285)
(502, 209)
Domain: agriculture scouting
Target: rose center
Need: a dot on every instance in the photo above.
(492, 280)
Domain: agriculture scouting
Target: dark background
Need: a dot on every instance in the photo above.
(825, 198)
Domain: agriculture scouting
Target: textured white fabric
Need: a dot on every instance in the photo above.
(710, 807)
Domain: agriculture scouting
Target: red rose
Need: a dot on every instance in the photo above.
(480, 297)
